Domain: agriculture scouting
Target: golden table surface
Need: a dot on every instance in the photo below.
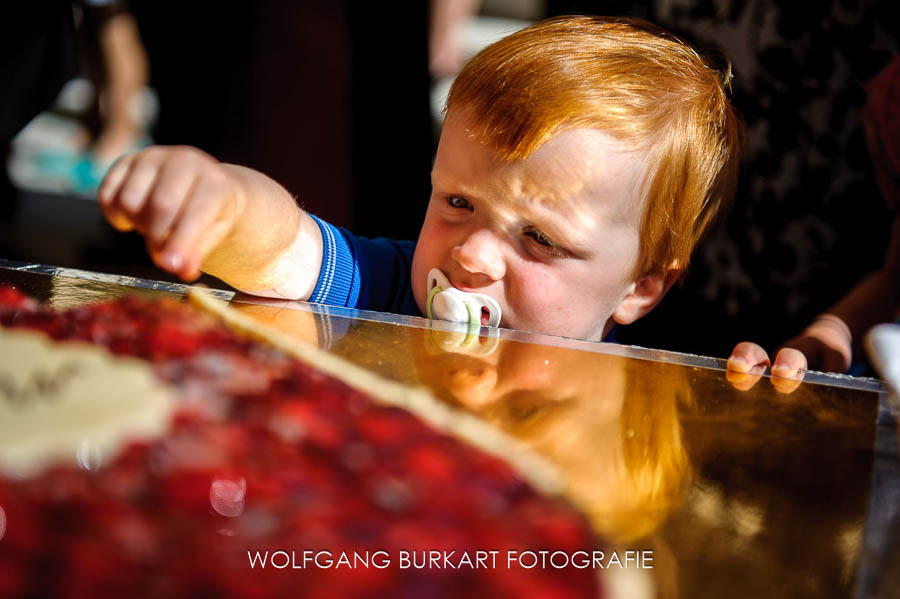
(738, 493)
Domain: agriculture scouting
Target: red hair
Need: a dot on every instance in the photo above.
(636, 82)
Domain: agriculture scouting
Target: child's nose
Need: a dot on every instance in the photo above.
(481, 253)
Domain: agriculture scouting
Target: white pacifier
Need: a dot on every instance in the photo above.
(445, 302)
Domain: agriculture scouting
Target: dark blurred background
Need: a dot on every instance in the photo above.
(336, 102)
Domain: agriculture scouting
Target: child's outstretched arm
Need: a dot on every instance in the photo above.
(196, 213)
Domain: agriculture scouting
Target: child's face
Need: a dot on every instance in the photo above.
(553, 238)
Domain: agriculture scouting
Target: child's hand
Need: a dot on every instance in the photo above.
(824, 345)
(183, 201)
(748, 362)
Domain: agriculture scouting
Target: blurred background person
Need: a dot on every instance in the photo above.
(102, 113)
(117, 66)
(807, 221)
(833, 340)
(36, 59)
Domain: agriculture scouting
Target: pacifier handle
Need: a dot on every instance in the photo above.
(474, 303)
(436, 278)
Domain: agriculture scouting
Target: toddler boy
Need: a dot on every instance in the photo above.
(580, 162)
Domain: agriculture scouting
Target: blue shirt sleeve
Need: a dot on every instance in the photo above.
(368, 274)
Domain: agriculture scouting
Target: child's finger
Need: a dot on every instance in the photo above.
(746, 356)
(108, 191)
(118, 219)
(112, 182)
(171, 191)
(788, 370)
(212, 236)
(187, 245)
(136, 188)
(156, 255)
(789, 362)
(746, 365)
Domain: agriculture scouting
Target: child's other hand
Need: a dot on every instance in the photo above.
(183, 201)
(748, 362)
(824, 345)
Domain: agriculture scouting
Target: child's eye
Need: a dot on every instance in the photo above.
(545, 243)
(540, 237)
(458, 202)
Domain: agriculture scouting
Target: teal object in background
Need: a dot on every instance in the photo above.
(77, 172)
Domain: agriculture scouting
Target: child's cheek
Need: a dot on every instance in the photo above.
(417, 282)
(432, 247)
(424, 259)
(554, 309)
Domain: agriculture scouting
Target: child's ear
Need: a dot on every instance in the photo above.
(644, 294)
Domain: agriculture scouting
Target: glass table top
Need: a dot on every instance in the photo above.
(739, 490)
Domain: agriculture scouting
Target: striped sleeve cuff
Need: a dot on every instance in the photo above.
(339, 279)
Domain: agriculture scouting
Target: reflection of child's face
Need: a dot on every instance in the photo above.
(553, 238)
(514, 372)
